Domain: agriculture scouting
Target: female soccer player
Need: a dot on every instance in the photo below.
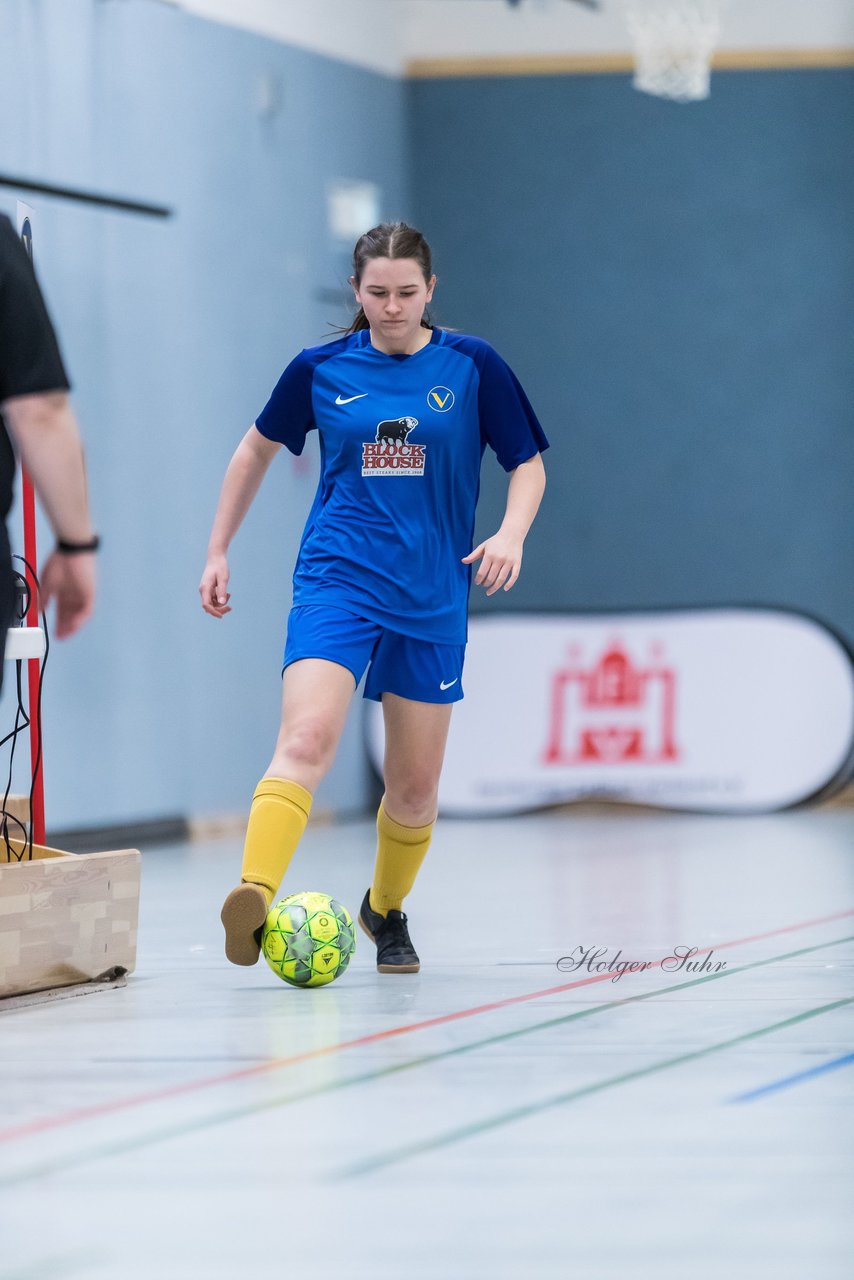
(383, 571)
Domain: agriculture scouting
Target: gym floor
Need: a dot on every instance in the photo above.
(498, 1114)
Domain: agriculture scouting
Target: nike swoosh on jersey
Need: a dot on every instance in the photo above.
(350, 399)
(450, 682)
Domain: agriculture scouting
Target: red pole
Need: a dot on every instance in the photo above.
(33, 664)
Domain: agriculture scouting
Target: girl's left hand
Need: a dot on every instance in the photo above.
(502, 560)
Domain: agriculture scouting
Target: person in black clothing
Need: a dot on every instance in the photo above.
(36, 413)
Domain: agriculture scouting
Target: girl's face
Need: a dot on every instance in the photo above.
(393, 294)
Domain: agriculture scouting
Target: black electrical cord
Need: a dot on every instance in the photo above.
(20, 725)
(22, 721)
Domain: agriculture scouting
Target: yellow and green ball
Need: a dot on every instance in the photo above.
(308, 939)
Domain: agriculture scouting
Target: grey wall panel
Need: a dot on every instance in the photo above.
(675, 287)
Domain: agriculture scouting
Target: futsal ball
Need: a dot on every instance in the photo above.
(308, 939)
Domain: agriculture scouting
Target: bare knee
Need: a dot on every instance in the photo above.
(305, 751)
(412, 801)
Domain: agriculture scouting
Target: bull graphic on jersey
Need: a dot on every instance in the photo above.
(395, 430)
(390, 454)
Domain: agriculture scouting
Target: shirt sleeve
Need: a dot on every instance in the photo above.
(30, 361)
(508, 423)
(288, 415)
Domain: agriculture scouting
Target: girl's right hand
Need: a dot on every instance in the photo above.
(213, 587)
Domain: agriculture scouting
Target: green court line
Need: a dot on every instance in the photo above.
(572, 1095)
(185, 1128)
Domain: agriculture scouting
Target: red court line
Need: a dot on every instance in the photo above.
(46, 1123)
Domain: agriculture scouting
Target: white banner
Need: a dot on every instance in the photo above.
(721, 710)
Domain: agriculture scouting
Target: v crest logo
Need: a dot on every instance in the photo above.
(440, 398)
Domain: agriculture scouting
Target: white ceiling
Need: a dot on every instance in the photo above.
(386, 35)
(368, 33)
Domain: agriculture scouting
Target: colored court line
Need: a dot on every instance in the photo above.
(398, 1155)
(124, 1146)
(787, 1081)
(80, 1114)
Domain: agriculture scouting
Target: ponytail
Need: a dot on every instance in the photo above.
(359, 321)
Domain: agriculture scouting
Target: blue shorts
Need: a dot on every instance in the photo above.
(415, 669)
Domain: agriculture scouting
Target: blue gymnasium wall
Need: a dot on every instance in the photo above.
(174, 332)
(675, 287)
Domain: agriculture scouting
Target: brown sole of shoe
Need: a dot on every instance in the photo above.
(243, 914)
(389, 968)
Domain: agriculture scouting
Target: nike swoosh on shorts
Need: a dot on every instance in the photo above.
(450, 682)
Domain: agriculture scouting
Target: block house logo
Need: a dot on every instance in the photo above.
(391, 454)
(613, 712)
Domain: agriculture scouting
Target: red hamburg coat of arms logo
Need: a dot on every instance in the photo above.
(612, 712)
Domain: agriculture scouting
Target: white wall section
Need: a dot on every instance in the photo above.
(366, 33)
(490, 28)
(386, 35)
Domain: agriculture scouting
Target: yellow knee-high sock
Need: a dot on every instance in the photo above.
(400, 852)
(277, 820)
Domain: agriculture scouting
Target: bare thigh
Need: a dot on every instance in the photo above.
(415, 738)
(316, 696)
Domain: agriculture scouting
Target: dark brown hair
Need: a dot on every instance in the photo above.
(390, 240)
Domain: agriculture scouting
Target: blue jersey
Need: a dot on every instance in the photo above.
(401, 443)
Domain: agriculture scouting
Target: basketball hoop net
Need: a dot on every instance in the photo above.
(674, 41)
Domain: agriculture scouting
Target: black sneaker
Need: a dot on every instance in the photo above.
(395, 952)
(243, 914)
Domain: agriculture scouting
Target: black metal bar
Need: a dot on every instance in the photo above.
(128, 835)
(87, 197)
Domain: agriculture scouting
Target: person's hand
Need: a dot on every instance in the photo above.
(502, 560)
(70, 580)
(213, 587)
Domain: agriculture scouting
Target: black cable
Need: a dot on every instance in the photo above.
(23, 598)
(19, 727)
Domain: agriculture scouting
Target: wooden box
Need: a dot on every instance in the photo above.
(66, 918)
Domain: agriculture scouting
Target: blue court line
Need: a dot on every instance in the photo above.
(775, 1085)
